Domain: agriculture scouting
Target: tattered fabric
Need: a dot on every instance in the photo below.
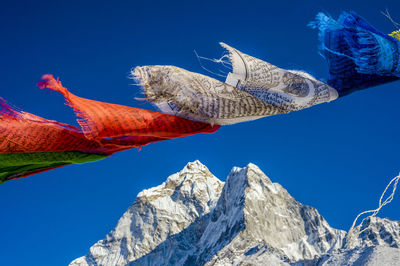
(291, 90)
(21, 132)
(359, 56)
(30, 144)
(200, 98)
(396, 34)
(18, 165)
(101, 120)
(255, 89)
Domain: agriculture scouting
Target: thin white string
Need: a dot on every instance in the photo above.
(389, 17)
(199, 58)
(394, 181)
(225, 63)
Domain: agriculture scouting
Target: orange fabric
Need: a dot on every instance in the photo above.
(106, 128)
(24, 132)
(106, 120)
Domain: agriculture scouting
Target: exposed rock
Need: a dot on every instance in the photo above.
(195, 219)
(156, 214)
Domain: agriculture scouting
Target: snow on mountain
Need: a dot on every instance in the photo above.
(376, 232)
(377, 244)
(195, 219)
(156, 214)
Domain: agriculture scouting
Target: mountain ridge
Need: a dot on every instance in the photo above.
(193, 218)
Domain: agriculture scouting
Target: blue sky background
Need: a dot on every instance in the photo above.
(337, 157)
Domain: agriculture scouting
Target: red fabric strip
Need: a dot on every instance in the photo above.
(24, 132)
(106, 120)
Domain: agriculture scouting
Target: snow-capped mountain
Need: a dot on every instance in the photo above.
(193, 218)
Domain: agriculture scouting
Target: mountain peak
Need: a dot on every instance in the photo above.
(251, 176)
(195, 219)
(269, 218)
(195, 167)
(192, 175)
(157, 214)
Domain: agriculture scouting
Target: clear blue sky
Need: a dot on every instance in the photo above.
(337, 157)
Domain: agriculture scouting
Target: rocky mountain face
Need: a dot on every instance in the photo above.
(195, 219)
(377, 244)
